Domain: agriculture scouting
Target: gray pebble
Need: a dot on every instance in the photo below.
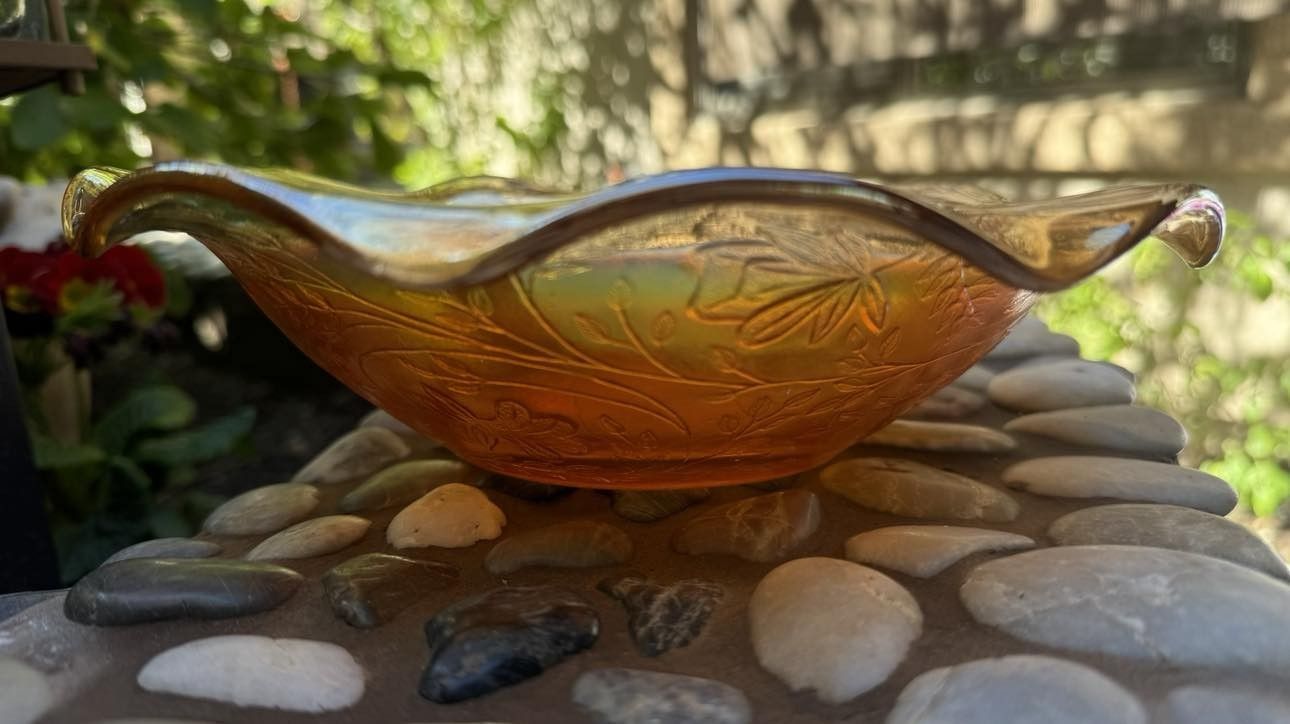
(1090, 476)
(1016, 690)
(1168, 526)
(1152, 604)
(634, 696)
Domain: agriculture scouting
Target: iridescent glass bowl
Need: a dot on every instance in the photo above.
(703, 327)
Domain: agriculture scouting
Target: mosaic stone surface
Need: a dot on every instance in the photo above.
(665, 615)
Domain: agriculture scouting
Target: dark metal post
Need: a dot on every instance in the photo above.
(27, 560)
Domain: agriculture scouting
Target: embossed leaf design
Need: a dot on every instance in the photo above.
(664, 327)
(780, 289)
(593, 329)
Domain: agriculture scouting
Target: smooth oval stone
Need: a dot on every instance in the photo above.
(940, 437)
(1016, 690)
(159, 589)
(634, 696)
(576, 544)
(526, 489)
(647, 506)
(168, 548)
(949, 403)
(833, 626)
(25, 693)
(267, 509)
(1153, 604)
(368, 590)
(976, 379)
(450, 516)
(381, 418)
(403, 483)
(1030, 338)
(12, 604)
(1087, 476)
(664, 617)
(1059, 386)
(914, 490)
(356, 454)
(151, 720)
(1125, 428)
(1168, 526)
(763, 528)
(312, 538)
(923, 551)
(288, 674)
(502, 637)
(1206, 704)
(1047, 359)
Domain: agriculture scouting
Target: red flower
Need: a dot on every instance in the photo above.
(132, 271)
(33, 281)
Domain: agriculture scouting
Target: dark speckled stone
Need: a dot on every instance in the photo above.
(159, 589)
(502, 637)
(664, 617)
(368, 590)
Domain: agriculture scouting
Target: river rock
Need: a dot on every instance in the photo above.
(159, 589)
(664, 617)
(1016, 690)
(1170, 607)
(1060, 385)
(634, 696)
(168, 548)
(403, 483)
(526, 489)
(12, 604)
(502, 637)
(25, 693)
(575, 544)
(1124, 428)
(950, 402)
(914, 490)
(1087, 476)
(368, 590)
(1207, 704)
(312, 538)
(263, 510)
(976, 379)
(647, 506)
(1168, 526)
(450, 516)
(357, 454)
(941, 437)
(288, 674)
(923, 551)
(1031, 338)
(833, 626)
(763, 528)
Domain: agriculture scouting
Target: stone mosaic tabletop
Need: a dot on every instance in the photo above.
(1020, 548)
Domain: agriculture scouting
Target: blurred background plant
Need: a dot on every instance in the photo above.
(1180, 333)
(1031, 99)
(117, 475)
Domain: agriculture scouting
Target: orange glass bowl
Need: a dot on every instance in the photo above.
(704, 327)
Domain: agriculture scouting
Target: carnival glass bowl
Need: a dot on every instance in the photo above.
(702, 327)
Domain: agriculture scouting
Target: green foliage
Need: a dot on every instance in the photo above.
(342, 89)
(1157, 318)
(130, 479)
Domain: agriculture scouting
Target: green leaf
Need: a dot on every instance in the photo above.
(53, 455)
(200, 444)
(130, 472)
(150, 408)
(36, 119)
